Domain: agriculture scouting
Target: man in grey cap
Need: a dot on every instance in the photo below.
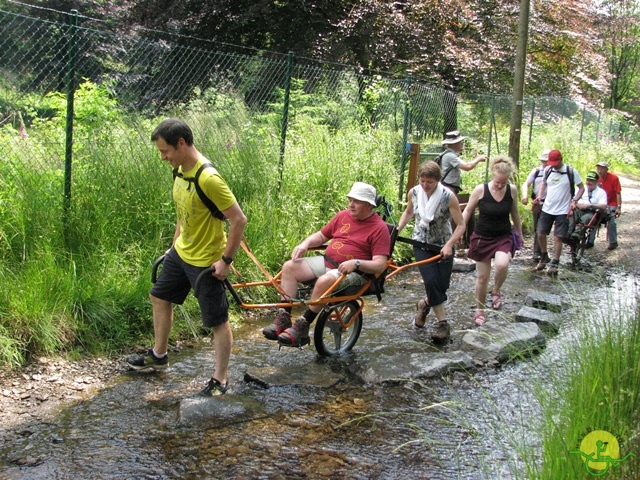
(451, 163)
(610, 183)
(359, 243)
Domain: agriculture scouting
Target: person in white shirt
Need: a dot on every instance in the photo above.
(557, 187)
(594, 199)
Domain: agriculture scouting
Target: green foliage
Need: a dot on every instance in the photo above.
(82, 266)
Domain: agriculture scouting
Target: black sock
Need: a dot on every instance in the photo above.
(309, 316)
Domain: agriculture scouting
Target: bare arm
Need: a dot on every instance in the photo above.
(525, 192)
(574, 202)
(466, 166)
(515, 213)
(313, 240)
(237, 221)
(376, 265)
(475, 197)
(456, 216)
(619, 208)
(407, 215)
(541, 190)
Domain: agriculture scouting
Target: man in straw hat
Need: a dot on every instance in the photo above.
(359, 243)
(451, 163)
(535, 179)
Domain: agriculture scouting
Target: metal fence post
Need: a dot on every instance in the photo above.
(492, 124)
(285, 116)
(71, 87)
(405, 135)
(533, 109)
(582, 125)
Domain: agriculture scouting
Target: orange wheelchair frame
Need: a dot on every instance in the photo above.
(339, 323)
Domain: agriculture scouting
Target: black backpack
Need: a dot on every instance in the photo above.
(215, 211)
(438, 160)
(568, 172)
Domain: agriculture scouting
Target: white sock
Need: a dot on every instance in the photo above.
(158, 355)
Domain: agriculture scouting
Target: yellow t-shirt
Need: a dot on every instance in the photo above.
(202, 237)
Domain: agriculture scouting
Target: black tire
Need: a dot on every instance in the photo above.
(329, 337)
(580, 247)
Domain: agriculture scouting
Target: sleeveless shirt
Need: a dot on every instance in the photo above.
(493, 217)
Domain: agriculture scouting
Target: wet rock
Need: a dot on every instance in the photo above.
(501, 341)
(549, 322)
(310, 375)
(402, 365)
(544, 301)
(463, 265)
(219, 411)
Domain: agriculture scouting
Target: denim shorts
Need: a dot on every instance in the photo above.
(178, 277)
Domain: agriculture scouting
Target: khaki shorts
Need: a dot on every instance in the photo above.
(318, 267)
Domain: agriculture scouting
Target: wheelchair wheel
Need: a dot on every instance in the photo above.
(577, 251)
(329, 335)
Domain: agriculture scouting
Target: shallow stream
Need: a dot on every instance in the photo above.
(463, 426)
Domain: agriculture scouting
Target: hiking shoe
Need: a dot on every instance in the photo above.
(612, 246)
(214, 387)
(423, 310)
(544, 259)
(536, 257)
(148, 361)
(279, 325)
(588, 245)
(296, 336)
(552, 268)
(441, 331)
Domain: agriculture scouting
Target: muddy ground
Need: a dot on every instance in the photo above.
(31, 394)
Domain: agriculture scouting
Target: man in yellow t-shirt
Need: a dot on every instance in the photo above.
(199, 242)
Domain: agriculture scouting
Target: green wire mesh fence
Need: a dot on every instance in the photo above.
(79, 101)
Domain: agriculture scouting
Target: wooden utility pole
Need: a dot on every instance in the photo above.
(518, 82)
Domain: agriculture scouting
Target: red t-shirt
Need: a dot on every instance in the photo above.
(356, 239)
(611, 185)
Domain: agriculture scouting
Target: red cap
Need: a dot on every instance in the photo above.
(555, 158)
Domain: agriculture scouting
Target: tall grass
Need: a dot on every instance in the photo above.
(77, 279)
(595, 387)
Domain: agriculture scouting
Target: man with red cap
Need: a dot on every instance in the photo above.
(558, 190)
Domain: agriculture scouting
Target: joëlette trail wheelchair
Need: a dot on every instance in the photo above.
(338, 325)
(578, 240)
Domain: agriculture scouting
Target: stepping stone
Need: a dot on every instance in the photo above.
(395, 366)
(501, 341)
(463, 266)
(549, 322)
(313, 375)
(219, 411)
(545, 301)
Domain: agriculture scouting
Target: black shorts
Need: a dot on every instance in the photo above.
(178, 277)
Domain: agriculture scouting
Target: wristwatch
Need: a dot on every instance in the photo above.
(227, 260)
(357, 264)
